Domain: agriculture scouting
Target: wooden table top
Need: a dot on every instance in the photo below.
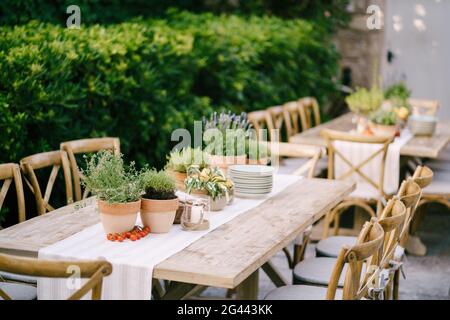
(420, 146)
(222, 258)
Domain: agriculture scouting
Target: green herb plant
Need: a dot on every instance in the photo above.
(158, 185)
(364, 101)
(110, 180)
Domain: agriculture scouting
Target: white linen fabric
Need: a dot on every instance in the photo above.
(133, 262)
(356, 153)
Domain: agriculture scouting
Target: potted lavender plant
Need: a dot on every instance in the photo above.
(225, 137)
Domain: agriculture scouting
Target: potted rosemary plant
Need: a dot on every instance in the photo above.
(180, 160)
(159, 203)
(209, 183)
(117, 188)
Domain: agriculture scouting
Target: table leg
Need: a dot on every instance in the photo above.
(277, 279)
(248, 289)
(180, 290)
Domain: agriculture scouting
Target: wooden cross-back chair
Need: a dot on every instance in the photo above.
(363, 202)
(10, 172)
(309, 112)
(258, 120)
(367, 250)
(84, 146)
(291, 113)
(95, 271)
(424, 107)
(54, 159)
(317, 270)
(275, 123)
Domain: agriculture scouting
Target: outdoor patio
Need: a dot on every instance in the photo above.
(222, 150)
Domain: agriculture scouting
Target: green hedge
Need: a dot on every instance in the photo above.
(326, 14)
(140, 80)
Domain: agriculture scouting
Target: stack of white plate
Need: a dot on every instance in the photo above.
(422, 125)
(251, 181)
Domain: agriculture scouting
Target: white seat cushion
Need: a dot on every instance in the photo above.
(439, 165)
(366, 191)
(300, 292)
(317, 271)
(439, 185)
(331, 246)
(445, 154)
(19, 291)
(18, 277)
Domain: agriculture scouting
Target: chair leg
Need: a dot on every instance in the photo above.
(396, 284)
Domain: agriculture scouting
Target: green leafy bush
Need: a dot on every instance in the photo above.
(328, 14)
(108, 178)
(141, 80)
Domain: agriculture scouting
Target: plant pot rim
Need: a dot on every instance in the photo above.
(118, 203)
(162, 200)
(119, 208)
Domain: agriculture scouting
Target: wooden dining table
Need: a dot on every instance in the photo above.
(227, 257)
(418, 146)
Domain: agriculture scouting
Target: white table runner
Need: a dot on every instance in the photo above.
(358, 152)
(133, 262)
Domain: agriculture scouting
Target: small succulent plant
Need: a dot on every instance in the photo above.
(181, 160)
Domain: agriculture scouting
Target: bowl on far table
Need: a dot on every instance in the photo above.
(422, 125)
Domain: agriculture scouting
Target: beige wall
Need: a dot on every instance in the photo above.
(418, 34)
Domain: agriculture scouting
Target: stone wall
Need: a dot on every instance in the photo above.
(361, 49)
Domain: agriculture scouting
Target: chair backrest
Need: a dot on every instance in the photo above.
(392, 221)
(367, 250)
(410, 193)
(291, 113)
(86, 146)
(309, 112)
(275, 123)
(332, 137)
(94, 270)
(54, 159)
(424, 107)
(8, 173)
(258, 120)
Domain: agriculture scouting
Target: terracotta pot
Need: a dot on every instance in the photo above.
(179, 178)
(383, 130)
(118, 217)
(262, 161)
(159, 215)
